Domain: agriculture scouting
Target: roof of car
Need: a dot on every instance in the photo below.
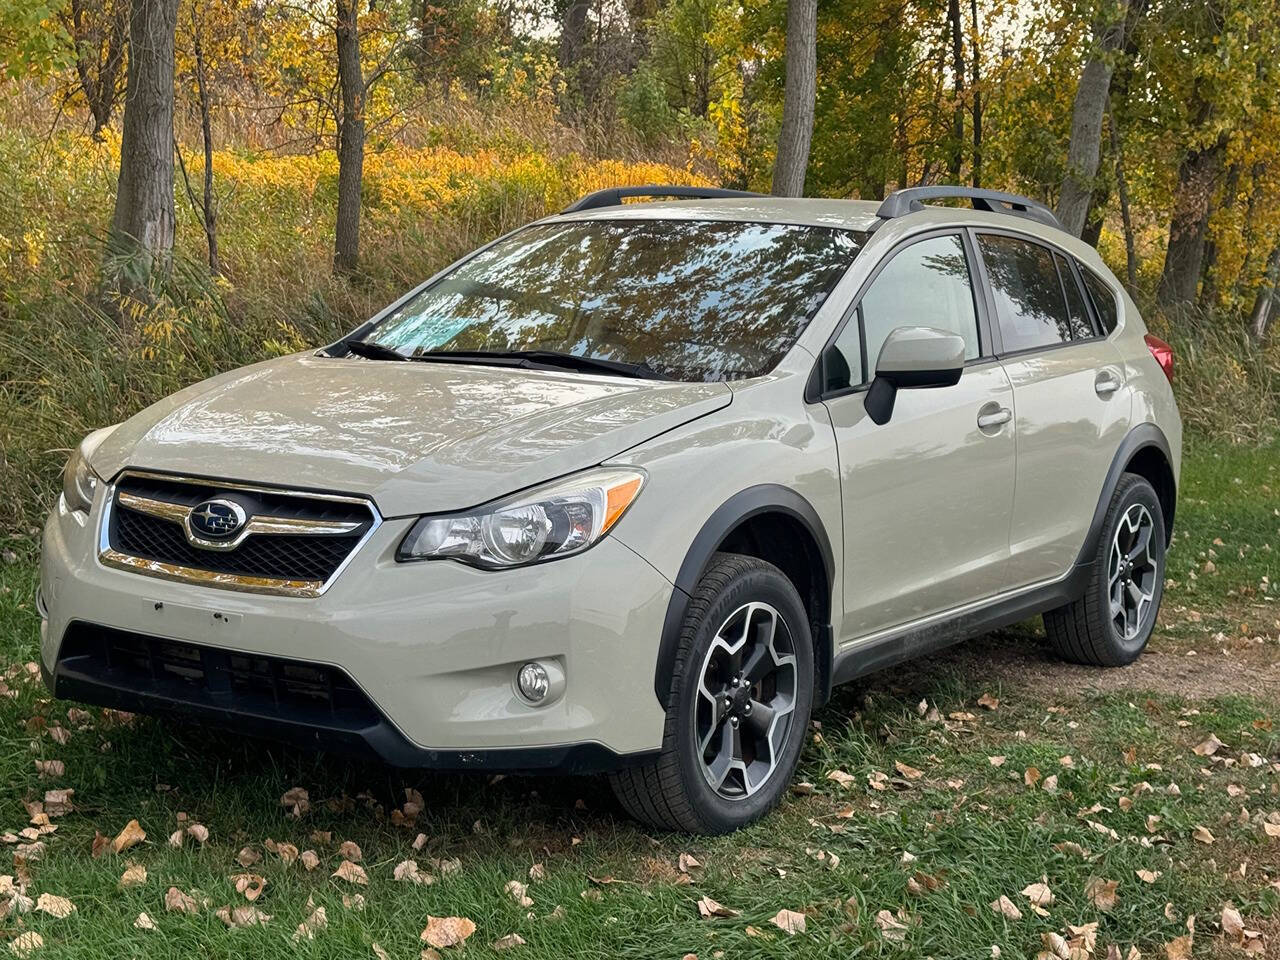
(846, 214)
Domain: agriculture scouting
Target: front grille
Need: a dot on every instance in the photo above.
(188, 673)
(292, 557)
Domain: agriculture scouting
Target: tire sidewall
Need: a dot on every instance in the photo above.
(1136, 490)
(762, 584)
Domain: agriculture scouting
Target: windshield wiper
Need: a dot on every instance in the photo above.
(372, 351)
(549, 358)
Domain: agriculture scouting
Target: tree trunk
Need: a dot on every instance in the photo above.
(975, 91)
(1197, 176)
(346, 248)
(1084, 149)
(956, 160)
(798, 98)
(1209, 286)
(143, 224)
(1265, 303)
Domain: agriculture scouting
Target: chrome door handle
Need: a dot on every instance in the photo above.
(996, 418)
(1106, 384)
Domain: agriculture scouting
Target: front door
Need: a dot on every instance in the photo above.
(927, 495)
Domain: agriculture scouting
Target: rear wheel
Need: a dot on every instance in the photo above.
(738, 706)
(1111, 624)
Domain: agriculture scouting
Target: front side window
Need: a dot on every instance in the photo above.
(925, 285)
(1030, 303)
(690, 300)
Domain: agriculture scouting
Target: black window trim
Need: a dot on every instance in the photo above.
(1094, 320)
(814, 389)
(1117, 302)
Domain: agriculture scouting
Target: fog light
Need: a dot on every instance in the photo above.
(533, 682)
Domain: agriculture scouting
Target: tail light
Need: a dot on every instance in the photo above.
(1163, 354)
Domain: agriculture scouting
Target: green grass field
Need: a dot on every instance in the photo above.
(903, 857)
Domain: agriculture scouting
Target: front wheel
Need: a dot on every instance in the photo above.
(1110, 625)
(738, 706)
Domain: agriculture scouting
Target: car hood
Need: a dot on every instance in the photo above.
(416, 437)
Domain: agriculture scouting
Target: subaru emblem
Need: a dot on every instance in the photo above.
(217, 519)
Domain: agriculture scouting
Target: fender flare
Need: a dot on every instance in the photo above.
(1142, 436)
(748, 503)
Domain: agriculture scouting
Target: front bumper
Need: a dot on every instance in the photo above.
(431, 648)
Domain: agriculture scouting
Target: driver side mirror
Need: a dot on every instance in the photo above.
(913, 358)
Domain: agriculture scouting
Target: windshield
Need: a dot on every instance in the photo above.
(689, 299)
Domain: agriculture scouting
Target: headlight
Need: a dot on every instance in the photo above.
(78, 480)
(556, 520)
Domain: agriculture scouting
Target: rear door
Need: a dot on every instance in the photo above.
(927, 496)
(1071, 403)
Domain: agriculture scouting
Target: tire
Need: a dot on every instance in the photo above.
(1088, 630)
(675, 791)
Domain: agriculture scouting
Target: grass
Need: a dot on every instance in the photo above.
(934, 849)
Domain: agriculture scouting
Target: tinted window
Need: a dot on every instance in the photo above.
(925, 285)
(1030, 304)
(1104, 299)
(695, 300)
(1077, 315)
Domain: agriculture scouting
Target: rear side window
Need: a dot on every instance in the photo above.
(1103, 297)
(1030, 302)
(1077, 315)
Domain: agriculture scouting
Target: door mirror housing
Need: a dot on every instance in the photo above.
(913, 358)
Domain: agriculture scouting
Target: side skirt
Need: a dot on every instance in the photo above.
(861, 659)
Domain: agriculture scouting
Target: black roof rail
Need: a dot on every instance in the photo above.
(613, 196)
(901, 202)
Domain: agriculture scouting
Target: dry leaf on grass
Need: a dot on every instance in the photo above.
(709, 908)
(537, 872)
(419, 841)
(379, 952)
(241, 916)
(789, 921)
(55, 906)
(1209, 747)
(1272, 830)
(1041, 897)
(996, 761)
(26, 944)
(444, 932)
(135, 875)
(350, 851)
(1006, 907)
(406, 871)
(516, 891)
(287, 852)
(199, 832)
(58, 803)
(911, 773)
(144, 922)
(296, 801)
(891, 928)
(178, 902)
(509, 941)
(351, 872)
(1202, 835)
(309, 859)
(50, 768)
(988, 701)
(1031, 776)
(841, 777)
(131, 835)
(1102, 893)
(249, 884)
(247, 857)
(1148, 876)
(308, 927)
(353, 901)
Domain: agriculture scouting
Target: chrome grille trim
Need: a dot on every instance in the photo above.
(263, 525)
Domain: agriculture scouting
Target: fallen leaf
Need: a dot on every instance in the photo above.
(1039, 894)
(1271, 830)
(789, 921)
(178, 902)
(135, 875)
(296, 801)
(1209, 747)
(406, 871)
(841, 777)
(131, 835)
(24, 944)
(1202, 834)
(199, 831)
(685, 863)
(988, 701)
(1031, 776)
(308, 927)
(241, 916)
(351, 872)
(144, 922)
(891, 928)
(1148, 876)
(709, 908)
(447, 931)
(309, 860)
(287, 852)
(538, 872)
(1102, 892)
(1006, 907)
(350, 902)
(1178, 949)
(911, 773)
(1050, 784)
(512, 940)
(350, 851)
(1232, 922)
(58, 803)
(419, 841)
(247, 857)
(55, 906)
(249, 884)
(996, 761)
(50, 768)
(516, 891)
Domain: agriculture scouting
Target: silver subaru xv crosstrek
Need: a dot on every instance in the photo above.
(630, 489)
